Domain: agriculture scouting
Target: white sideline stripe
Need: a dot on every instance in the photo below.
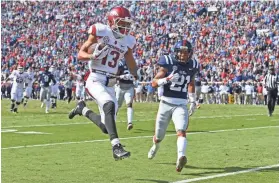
(66, 124)
(137, 137)
(227, 174)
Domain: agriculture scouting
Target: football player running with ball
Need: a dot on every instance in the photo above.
(177, 76)
(114, 43)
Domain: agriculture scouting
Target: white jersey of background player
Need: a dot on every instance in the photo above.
(80, 88)
(125, 90)
(29, 81)
(18, 77)
(113, 43)
(54, 88)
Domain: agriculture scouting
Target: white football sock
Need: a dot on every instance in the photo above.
(84, 111)
(47, 105)
(114, 142)
(130, 114)
(181, 146)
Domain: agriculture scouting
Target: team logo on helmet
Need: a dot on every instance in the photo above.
(113, 13)
(106, 39)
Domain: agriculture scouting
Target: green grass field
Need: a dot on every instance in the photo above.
(221, 139)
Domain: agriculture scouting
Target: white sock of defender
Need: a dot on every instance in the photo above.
(181, 146)
(47, 105)
(130, 112)
(114, 142)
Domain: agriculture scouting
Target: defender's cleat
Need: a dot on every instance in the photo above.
(153, 150)
(130, 126)
(15, 110)
(47, 111)
(119, 152)
(181, 163)
(78, 110)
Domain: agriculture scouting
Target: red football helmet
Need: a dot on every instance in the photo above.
(120, 21)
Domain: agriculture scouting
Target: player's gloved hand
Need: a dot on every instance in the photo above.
(192, 99)
(171, 78)
(99, 52)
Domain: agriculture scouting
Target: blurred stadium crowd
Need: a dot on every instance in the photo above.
(234, 41)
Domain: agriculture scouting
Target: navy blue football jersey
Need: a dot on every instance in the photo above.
(186, 71)
(46, 78)
(123, 69)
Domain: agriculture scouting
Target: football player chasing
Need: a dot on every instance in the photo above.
(45, 79)
(113, 43)
(177, 76)
(54, 87)
(19, 77)
(125, 90)
(29, 85)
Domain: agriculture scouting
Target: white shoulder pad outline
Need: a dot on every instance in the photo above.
(168, 59)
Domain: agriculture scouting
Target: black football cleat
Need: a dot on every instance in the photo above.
(119, 152)
(77, 110)
(15, 110)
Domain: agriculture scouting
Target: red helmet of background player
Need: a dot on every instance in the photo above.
(120, 21)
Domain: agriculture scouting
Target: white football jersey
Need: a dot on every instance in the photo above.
(118, 47)
(30, 79)
(79, 81)
(56, 74)
(18, 79)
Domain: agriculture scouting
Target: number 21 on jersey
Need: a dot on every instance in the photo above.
(180, 85)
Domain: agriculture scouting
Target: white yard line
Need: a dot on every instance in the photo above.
(137, 137)
(84, 123)
(227, 174)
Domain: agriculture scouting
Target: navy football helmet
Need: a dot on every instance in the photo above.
(183, 51)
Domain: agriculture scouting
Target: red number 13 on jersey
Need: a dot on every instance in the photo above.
(111, 59)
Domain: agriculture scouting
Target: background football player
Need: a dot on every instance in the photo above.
(54, 87)
(45, 79)
(177, 76)
(125, 90)
(29, 85)
(114, 43)
(18, 77)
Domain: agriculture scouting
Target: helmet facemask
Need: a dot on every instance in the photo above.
(183, 54)
(20, 69)
(121, 26)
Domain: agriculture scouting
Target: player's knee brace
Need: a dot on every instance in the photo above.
(181, 133)
(130, 105)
